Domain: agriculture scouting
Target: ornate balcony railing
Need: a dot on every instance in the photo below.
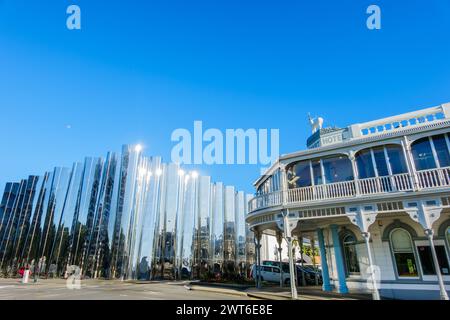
(267, 200)
(386, 184)
(434, 178)
(427, 179)
(322, 192)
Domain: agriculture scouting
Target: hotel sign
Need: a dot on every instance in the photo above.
(331, 139)
(321, 139)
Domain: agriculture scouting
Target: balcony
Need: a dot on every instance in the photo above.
(399, 183)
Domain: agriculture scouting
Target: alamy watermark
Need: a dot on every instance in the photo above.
(374, 20)
(73, 21)
(233, 146)
(73, 281)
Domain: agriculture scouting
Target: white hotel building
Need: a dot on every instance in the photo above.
(374, 196)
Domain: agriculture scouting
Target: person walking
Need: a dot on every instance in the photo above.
(36, 272)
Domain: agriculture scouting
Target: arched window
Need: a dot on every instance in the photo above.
(271, 184)
(365, 164)
(431, 152)
(423, 154)
(337, 169)
(440, 144)
(381, 161)
(403, 251)
(299, 175)
(447, 236)
(319, 171)
(350, 255)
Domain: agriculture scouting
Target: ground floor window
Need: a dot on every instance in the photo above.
(350, 254)
(402, 248)
(426, 260)
(447, 235)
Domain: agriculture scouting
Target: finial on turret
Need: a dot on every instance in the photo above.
(316, 123)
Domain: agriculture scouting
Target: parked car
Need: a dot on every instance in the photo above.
(310, 274)
(270, 274)
(277, 264)
(309, 271)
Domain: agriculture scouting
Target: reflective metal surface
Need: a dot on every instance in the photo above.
(124, 217)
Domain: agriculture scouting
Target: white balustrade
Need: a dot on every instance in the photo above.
(394, 183)
(265, 200)
(434, 178)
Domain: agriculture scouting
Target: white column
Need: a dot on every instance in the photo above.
(437, 162)
(288, 236)
(352, 159)
(258, 236)
(389, 167)
(284, 185)
(300, 243)
(375, 292)
(410, 163)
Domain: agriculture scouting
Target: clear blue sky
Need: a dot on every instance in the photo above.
(140, 69)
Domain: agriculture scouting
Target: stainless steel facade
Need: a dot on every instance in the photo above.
(126, 217)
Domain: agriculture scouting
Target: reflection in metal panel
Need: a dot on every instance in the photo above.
(230, 234)
(240, 233)
(125, 217)
(202, 242)
(218, 228)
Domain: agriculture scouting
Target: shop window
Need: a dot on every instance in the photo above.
(447, 235)
(404, 257)
(427, 263)
(350, 253)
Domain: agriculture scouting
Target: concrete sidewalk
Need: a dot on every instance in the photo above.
(276, 293)
(304, 293)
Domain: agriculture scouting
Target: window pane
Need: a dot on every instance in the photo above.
(365, 166)
(317, 172)
(401, 241)
(442, 259)
(380, 161)
(448, 236)
(350, 254)
(300, 175)
(337, 169)
(426, 259)
(406, 264)
(396, 159)
(442, 150)
(422, 154)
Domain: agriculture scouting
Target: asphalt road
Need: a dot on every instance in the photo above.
(13, 289)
